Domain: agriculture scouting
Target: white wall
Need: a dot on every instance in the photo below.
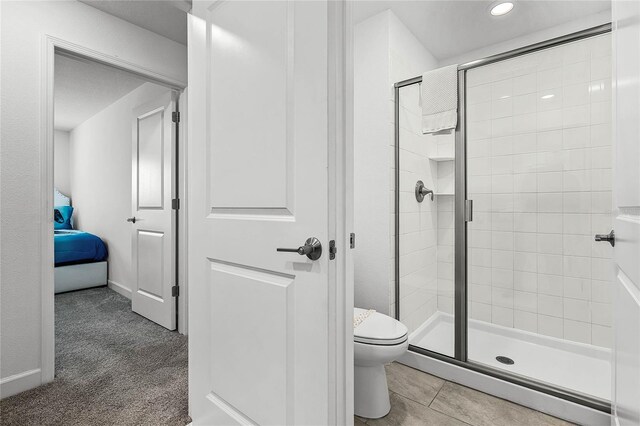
(61, 167)
(101, 178)
(372, 218)
(23, 26)
(539, 172)
(385, 52)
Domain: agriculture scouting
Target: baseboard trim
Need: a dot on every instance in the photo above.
(119, 288)
(20, 382)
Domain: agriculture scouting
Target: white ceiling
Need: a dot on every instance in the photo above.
(447, 28)
(84, 88)
(450, 28)
(165, 17)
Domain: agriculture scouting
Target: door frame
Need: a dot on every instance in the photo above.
(340, 161)
(341, 200)
(50, 46)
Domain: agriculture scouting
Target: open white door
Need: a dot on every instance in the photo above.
(153, 220)
(260, 326)
(626, 311)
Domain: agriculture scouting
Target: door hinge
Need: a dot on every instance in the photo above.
(175, 204)
(175, 116)
(352, 240)
(332, 249)
(468, 211)
(175, 291)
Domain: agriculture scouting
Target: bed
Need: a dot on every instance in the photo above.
(80, 257)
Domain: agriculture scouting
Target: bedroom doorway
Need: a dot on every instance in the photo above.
(118, 197)
(116, 186)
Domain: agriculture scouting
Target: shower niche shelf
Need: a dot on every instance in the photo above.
(441, 158)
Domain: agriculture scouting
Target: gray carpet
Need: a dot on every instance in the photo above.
(113, 367)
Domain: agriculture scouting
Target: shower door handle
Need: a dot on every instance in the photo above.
(468, 210)
(610, 238)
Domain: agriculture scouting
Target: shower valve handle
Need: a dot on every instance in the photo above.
(610, 238)
(421, 191)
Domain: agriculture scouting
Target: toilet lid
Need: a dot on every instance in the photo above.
(379, 329)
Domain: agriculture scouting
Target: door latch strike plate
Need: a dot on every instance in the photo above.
(352, 240)
(175, 291)
(175, 116)
(175, 204)
(332, 249)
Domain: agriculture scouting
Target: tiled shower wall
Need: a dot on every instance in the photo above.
(539, 172)
(418, 221)
(426, 228)
(446, 230)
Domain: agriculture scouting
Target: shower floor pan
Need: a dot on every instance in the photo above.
(576, 366)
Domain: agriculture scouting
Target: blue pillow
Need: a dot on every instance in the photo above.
(62, 217)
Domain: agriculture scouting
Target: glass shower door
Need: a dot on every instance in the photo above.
(425, 238)
(539, 174)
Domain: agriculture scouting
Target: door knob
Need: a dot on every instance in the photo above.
(131, 219)
(311, 248)
(421, 191)
(610, 237)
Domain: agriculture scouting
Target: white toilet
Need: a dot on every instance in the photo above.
(378, 340)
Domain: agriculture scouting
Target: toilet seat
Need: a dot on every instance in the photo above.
(379, 329)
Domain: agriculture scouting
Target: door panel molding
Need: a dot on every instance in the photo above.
(266, 181)
(148, 196)
(229, 415)
(152, 262)
(253, 307)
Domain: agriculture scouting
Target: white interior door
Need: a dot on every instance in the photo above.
(626, 312)
(258, 157)
(153, 219)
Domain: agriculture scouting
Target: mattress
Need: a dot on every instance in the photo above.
(72, 246)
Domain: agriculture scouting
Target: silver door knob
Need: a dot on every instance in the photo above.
(131, 219)
(610, 238)
(311, 248)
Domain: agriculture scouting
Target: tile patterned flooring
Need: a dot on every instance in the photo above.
(419, 398)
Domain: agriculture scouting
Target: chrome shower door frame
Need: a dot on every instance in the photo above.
(461, 216)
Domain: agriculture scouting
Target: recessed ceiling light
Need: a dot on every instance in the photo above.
(547, 96)
(501, 8)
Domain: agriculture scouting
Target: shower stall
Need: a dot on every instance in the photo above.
(496, 268)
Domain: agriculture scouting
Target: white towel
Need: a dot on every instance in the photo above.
(439, 97)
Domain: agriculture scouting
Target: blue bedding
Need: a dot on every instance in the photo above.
(77, 247)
